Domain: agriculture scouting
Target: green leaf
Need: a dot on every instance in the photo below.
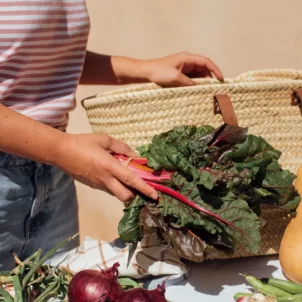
(127, 283)
(246, 225)
(280, 182)
(247, 222)
(129, 229)
(292, 204)
(253, 148)
(233, 209)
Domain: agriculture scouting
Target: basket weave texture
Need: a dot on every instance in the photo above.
(261, 100)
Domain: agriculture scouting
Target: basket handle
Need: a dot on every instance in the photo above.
(223, 105)
(297, 97)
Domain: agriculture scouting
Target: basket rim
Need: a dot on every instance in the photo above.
(153, 90)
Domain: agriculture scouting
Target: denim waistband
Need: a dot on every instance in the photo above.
(9, 160)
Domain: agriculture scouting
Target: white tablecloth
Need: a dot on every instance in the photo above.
(219, 280)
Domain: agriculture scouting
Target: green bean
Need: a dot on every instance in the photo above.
(44, 258)
(288, 286)
(4, 273)
(53, 288)
(17, 288)
(7, 297)
(38, 280)
(239, 295)
(265, 288)
(297, 298)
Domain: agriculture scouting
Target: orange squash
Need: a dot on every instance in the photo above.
(290, 254)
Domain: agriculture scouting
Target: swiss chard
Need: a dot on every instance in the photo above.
(211, 185)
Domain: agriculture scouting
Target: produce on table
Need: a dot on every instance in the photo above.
(143, 295)
(257, 297)
(212, 185)
(105, 286)
(270, 290)
(290, 253)
(291, 287)
(263, 288)
(33, 280)
(92, 285)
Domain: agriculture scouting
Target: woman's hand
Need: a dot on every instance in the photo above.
(178, 69)
(174, 70)
(87, 158)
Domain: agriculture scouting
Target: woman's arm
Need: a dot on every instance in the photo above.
(85, 157)
(174, 70)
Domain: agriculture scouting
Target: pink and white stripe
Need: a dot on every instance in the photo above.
(42, 50)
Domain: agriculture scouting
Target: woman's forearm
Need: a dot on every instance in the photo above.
(22, 136)
(110, 70)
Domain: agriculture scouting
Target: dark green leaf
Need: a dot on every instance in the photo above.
(280, 182)
(292, 204)
(247, 232)
(129, 229)
(253, 148)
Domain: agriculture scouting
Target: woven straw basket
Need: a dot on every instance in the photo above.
(268, 102)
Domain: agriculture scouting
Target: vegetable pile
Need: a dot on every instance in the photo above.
(104, 286)
(33, 280)
(212, 184)
(270, 290)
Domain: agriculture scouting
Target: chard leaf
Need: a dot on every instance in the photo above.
(292, 204)
(186, 244)
(228, 135)
(179, 214)
(280, 182)
(253, 148)
(129, 229)
(247, 232)
(245, 225)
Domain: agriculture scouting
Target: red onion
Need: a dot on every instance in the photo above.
(95, 286)
(143, 295)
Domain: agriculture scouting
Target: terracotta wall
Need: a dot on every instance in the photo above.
(238, 35)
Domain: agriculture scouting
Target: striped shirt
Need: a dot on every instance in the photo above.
(42, 51)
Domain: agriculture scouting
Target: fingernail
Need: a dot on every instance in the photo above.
(154, 195)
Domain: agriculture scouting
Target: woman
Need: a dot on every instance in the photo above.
(43, 57)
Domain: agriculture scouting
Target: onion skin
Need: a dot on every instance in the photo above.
(95, 286)
(144, 295)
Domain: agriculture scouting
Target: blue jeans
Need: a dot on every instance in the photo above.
(38, 208)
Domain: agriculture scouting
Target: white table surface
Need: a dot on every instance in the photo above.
(219, 280)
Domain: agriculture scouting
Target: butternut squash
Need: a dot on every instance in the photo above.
(290, 254)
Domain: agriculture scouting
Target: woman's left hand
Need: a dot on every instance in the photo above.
(178, 69)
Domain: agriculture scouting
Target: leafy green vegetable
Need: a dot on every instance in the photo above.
(211, 186)
(128, 283)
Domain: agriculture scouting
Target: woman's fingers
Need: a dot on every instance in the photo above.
(128, 178)
(119, 190)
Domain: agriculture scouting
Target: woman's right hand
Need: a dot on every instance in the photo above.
(87, 158)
